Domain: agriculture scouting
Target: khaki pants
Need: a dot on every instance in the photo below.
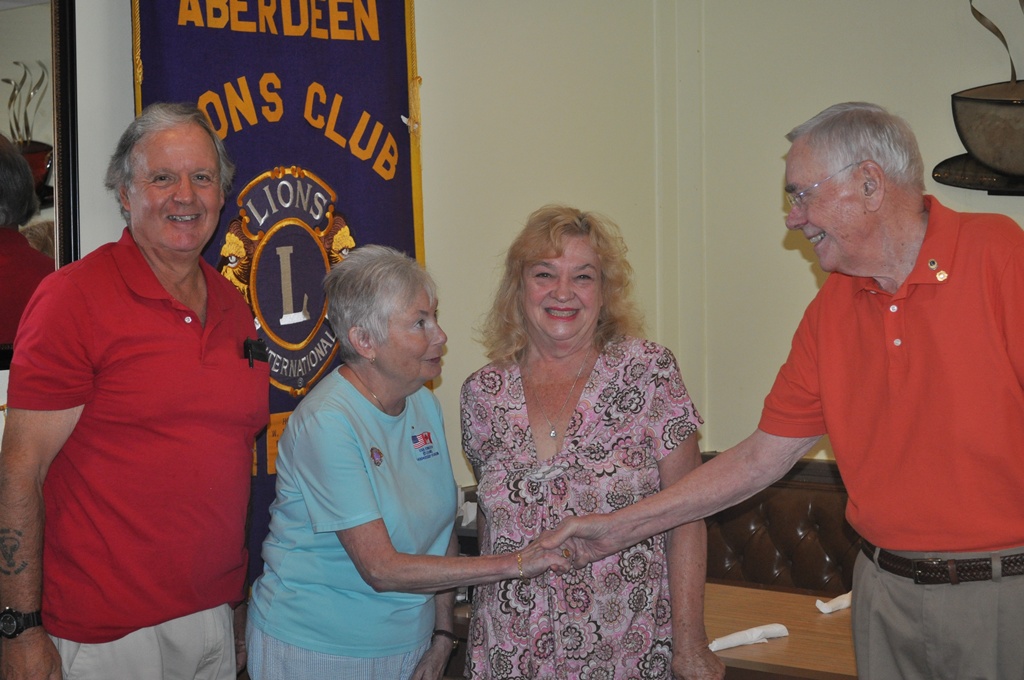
(906, 631)
(199, 646)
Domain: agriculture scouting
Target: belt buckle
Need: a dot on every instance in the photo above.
(920, 565)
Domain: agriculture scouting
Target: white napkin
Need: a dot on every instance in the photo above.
(468, 513)
(834, 605)
(749, 636)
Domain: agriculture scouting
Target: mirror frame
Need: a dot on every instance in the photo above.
(65, 133)
(65, 141)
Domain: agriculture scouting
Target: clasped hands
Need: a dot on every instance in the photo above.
(575, 543)
(578, 541)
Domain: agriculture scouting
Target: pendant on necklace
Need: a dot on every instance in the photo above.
(552, 434)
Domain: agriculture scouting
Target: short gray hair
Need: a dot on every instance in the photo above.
(18, 200)
(847, 133)
(157, 118)
(366, 289)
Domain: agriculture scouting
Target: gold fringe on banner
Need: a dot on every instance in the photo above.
(415, 129)
(137, 56)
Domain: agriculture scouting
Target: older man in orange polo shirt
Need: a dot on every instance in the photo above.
(911, 359)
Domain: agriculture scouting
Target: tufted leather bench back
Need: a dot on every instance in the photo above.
(792, 535)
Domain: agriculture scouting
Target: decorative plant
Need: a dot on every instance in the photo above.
(19, 107)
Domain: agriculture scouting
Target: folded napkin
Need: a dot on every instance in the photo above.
(841, 602)
(749, 636)
(468, 513)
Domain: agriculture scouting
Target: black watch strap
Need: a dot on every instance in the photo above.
(32, 619)
(446, 634)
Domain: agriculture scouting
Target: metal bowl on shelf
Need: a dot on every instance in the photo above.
(990, 122)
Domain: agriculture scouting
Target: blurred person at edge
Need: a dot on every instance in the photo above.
(126, 460)
(578, 414)
(21, 266)
(40, 236)
(911, 359)
(362, 526)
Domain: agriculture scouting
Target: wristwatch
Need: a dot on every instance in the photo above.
(13, 623)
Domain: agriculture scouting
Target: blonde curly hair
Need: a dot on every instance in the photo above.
(503, 333)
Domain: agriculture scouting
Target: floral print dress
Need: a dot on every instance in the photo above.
(611, 619)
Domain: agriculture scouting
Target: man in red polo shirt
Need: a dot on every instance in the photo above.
(22, 267)
(911, 359)
(125, 465)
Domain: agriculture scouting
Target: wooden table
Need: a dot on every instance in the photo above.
(819, 646)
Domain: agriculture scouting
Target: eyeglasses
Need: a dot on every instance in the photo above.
(798, 199)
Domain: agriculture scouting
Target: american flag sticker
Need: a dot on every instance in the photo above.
(423, 445)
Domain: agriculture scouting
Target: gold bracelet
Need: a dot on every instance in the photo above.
(519, 561)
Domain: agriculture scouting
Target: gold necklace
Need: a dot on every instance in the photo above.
(553, 433)
(367, 388)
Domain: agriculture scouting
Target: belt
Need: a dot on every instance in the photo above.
(936, 570)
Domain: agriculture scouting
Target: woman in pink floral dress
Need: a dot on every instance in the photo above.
(578, 415)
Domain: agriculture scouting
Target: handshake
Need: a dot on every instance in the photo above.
(575, 543)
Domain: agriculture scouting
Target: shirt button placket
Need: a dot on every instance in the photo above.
(894, 331)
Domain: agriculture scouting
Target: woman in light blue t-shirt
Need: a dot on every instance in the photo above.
(361, 530)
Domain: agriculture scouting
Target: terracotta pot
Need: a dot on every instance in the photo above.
(40, 159)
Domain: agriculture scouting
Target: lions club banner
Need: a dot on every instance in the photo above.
(312, 99)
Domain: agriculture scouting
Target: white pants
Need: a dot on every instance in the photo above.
(272, 659)
(199, 646)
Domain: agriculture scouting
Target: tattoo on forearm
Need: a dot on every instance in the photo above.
(10, 543)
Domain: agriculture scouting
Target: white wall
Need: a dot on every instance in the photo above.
(768, 67)
(535, 102)
(667, 115)
(106, 105)
(705, 219)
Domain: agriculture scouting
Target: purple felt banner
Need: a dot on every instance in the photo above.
(312, 100)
